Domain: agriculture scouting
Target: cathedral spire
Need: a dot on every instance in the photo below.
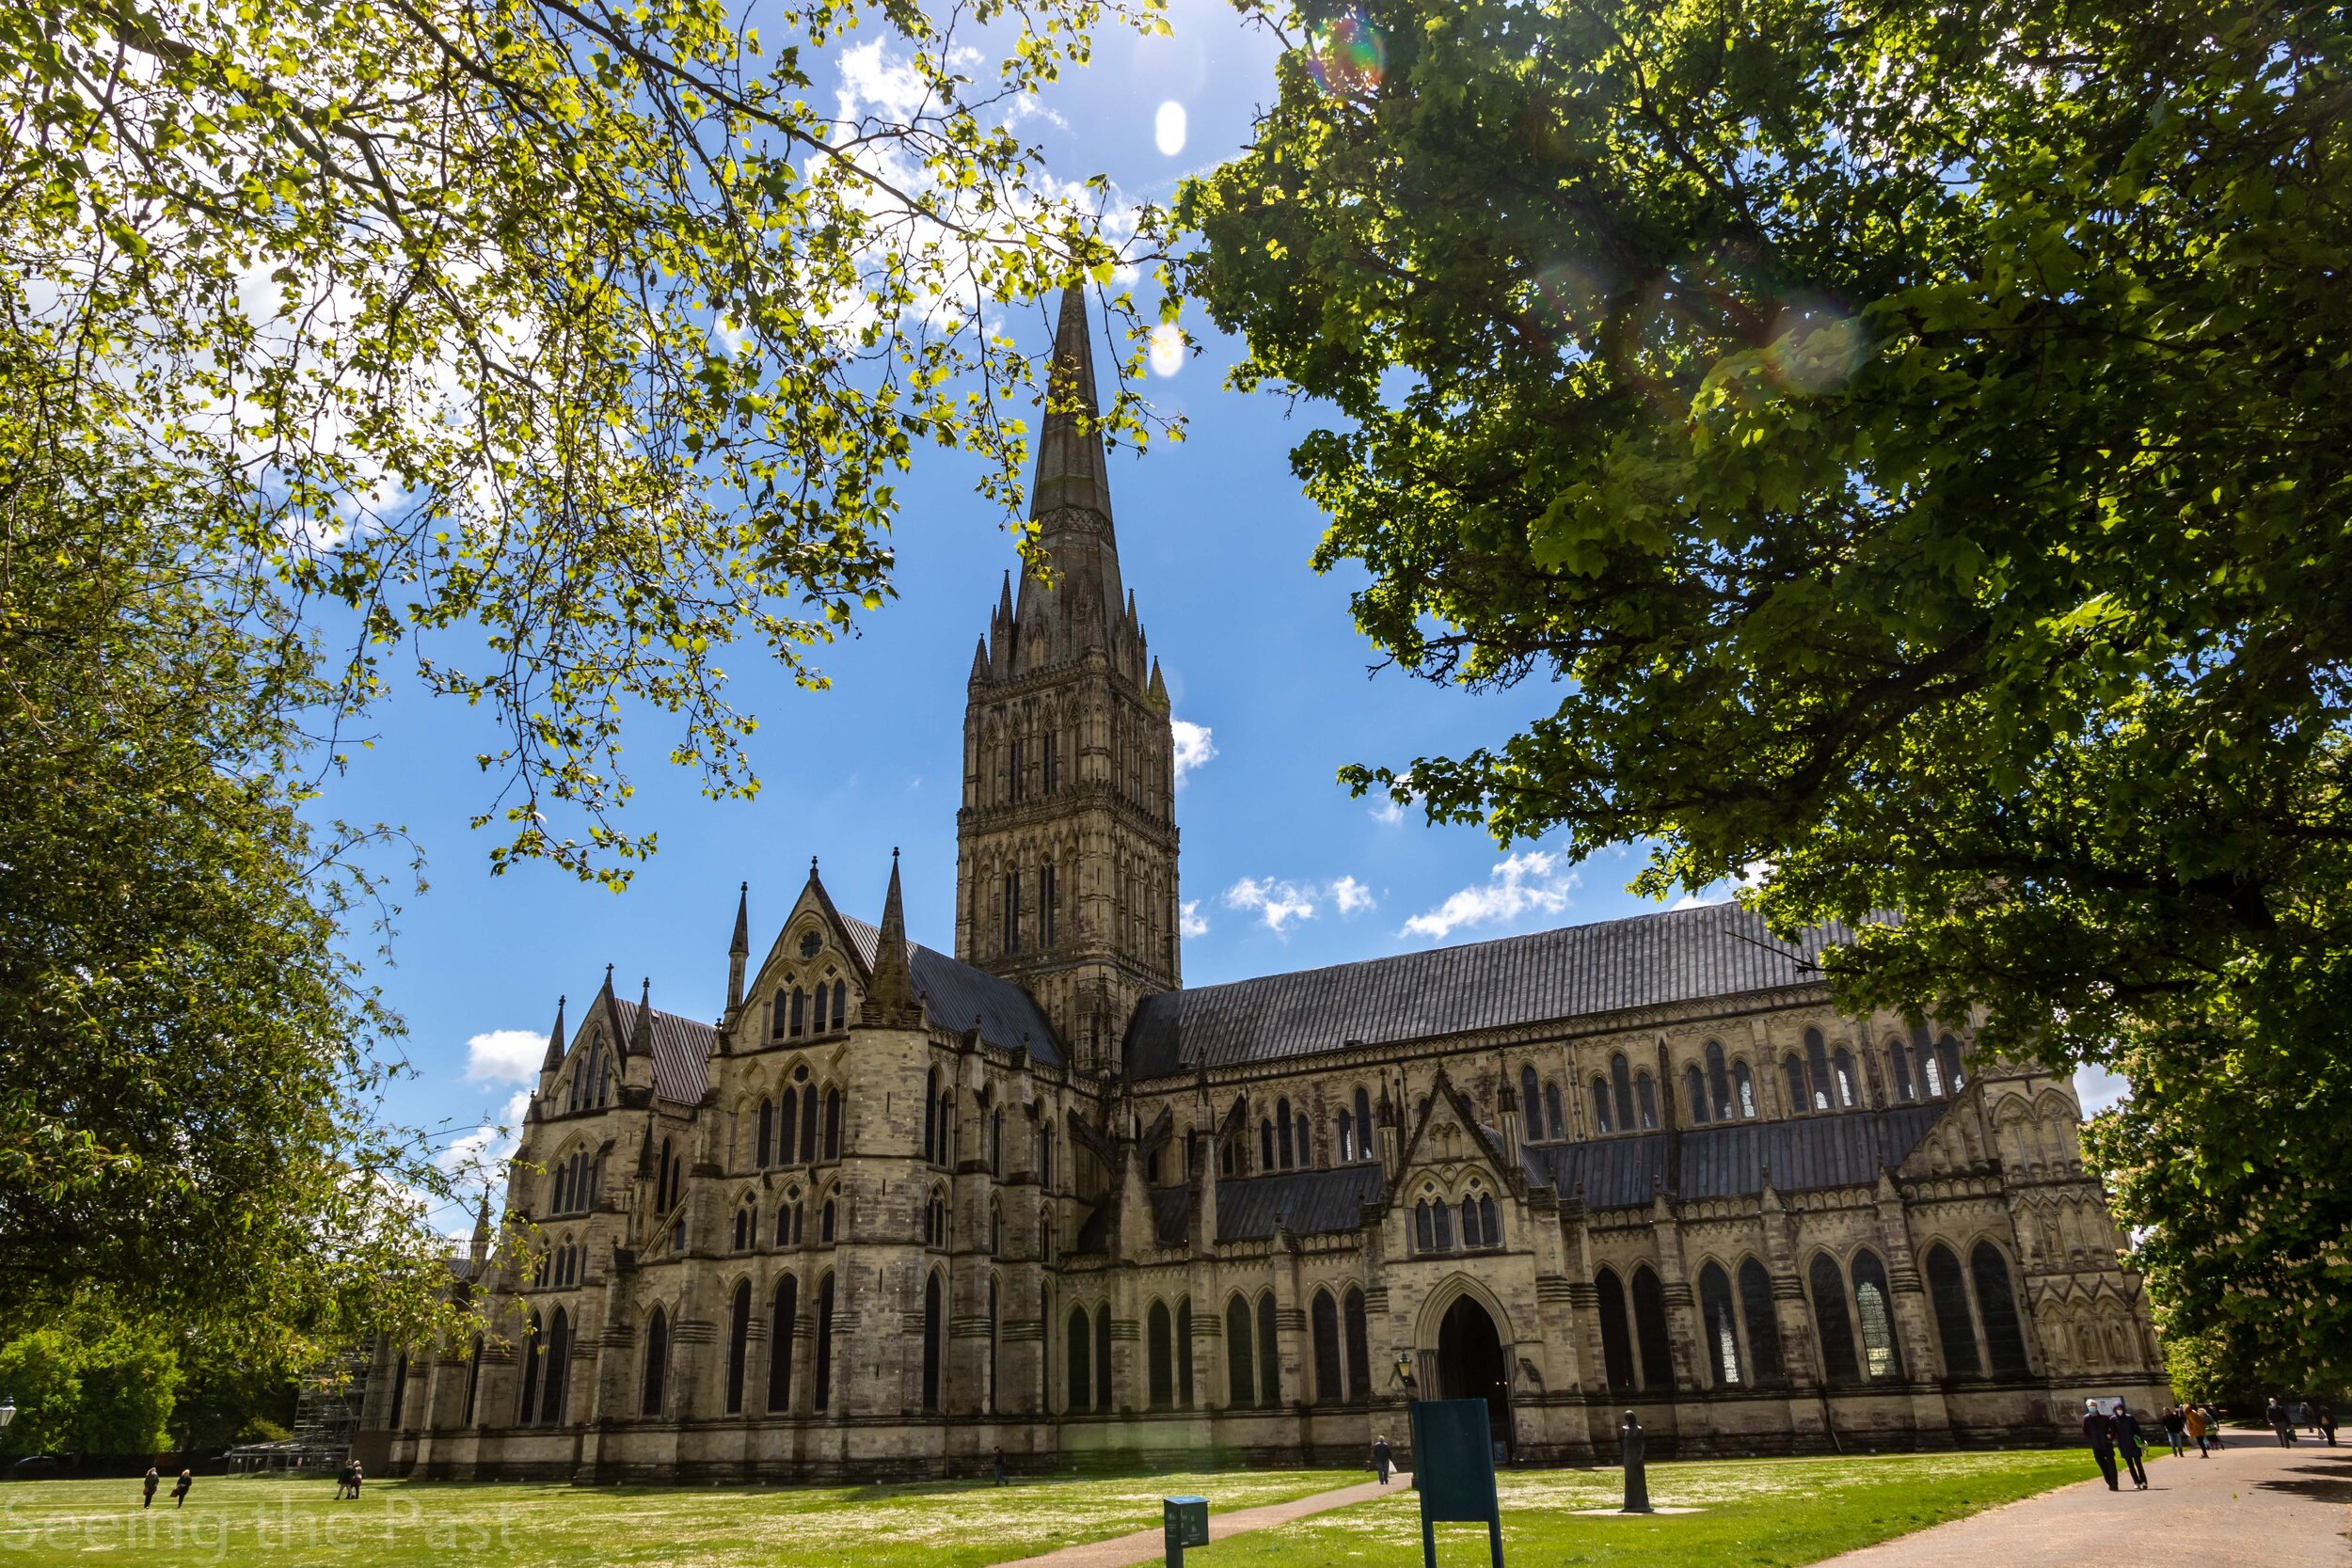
(1071, 471)
(553, 1062)
(641, 1037)
(890, 995)
(739, 949)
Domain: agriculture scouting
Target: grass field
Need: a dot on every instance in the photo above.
(947, 1525)
(1753, 1512)
(1758, 1513)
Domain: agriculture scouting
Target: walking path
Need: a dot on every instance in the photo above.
(1144, 1545)
(2252, 1502)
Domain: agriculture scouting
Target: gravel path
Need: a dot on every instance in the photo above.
(1144, 1545)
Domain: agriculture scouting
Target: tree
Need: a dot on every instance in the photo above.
(107, 1393)
(551, 345)
(188, 1111)
(1915, 438)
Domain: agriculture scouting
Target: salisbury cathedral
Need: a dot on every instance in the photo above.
(896, 1210)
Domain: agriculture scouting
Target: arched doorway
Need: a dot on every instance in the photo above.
(1470, 1364)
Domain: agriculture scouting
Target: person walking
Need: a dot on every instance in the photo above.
(2280, 1422)
(2213, 1425)
(181, 1488)
(1381, 1458)
(2176, 1430)
(2327, 1423)
(342, 1481)
(997, 1463)
(2099, 1427)
(2193, 1420)
(155, 1479)
(2127, 1442)
(2305, 1419)
(358, 1474)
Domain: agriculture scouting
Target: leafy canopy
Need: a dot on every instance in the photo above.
(545, 346)
(1915, 438)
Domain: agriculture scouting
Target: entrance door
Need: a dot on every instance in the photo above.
(1470, 1366)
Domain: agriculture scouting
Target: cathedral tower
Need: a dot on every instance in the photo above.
(1066, 863)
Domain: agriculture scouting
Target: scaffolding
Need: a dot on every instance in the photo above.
(326, 1417)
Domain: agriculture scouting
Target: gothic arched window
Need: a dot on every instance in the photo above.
(1842, 1069)
(1102, 1356)
(1621, 1080)
(809, 1122)
(1718, 1081)
(1283, 1118)
(1874, 1307)
(1365, 1146)
(931, 1116)
(833, 1124)
(1954, 1328)
(1081, 1361)
(766, 1141)
(1897, 1058)
(552, 1397)
(840, 1003)
(1756, 1307)
(1646, 1090)
(1649, 1329)
(1744, 1084)
(780, 1330)
(932, 1326)
(1552, 1108)
(1239, 1362)
(1947, 1057)
(799, 1010)
(1831, 1323)
(657, 1370)
(1694, 1094)
(1329, 1385)
(1792, 1080)
(1266, 1145)
(1601, 1118)
(2004, 1338)
(1347, 1137)
(1817, 1067)
(1358, 1347)
(1617, 1344)
(1719, 1323)
(823, 1391)
(739, 1344)
(1183, 1352)
(1161, 1353)
(1531, 1102)
(532, 1359)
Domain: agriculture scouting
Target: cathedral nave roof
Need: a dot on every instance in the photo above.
(681, 1050)
(956, 994)
(1574, 971)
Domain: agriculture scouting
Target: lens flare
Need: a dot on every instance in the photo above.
(1167, 129)
(1167, 350)
(1816, 347)
(1346, 55)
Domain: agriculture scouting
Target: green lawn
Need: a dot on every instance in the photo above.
(1754, 1513)
(396, 1525)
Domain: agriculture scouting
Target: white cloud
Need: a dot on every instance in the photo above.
(505, 1056)
(1278, 902)
(492, 1144)
(1191, 920)
(1530, 881)
(2099, 1089)
(1388, 810)
(1194, 746)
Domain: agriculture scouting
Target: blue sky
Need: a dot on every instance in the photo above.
(1280, 868)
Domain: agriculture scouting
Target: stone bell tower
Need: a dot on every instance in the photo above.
(1066, 863)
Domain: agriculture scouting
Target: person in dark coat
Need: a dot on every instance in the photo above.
(2176, 1430)
(2128, 1443)
(2280, 1422)
(2327, 1423)
(2099, 1427)
(181, 1488)
(997, 1464)
(1382, 1457)
(153, 1480)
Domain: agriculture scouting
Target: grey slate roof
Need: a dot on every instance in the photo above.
(1309, 1203)
(1575, 971)
(1807, 1154)
(957, 993)
(681, 1050)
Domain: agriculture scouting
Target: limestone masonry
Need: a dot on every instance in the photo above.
(896, 1210)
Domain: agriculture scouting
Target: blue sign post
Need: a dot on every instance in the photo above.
(1183, 1522)
(1454, 1470)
